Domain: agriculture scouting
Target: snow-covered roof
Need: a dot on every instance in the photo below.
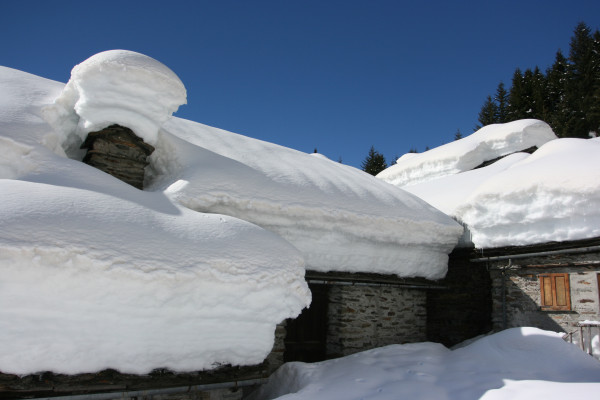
(488, 143)
(218, 243)
(552, 195)
(96, 274)
(522, 199)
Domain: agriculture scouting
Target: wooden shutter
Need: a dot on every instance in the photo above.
(555, 292)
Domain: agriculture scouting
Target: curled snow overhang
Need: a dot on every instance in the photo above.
(488, 143)
(117, 87)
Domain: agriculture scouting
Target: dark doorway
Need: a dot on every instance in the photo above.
(306, 336)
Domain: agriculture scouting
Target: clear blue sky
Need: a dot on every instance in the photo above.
(336, 75)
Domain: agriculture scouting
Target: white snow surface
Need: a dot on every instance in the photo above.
(521, 199)
(552, 195)
(118, 87)
(519, 363)
(96, 274)
(340, 218)
(449, 193)
(488, 143)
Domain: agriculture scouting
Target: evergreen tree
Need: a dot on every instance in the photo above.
(538, 95)
(457, 136)
(488, 113)
(517, 109)
(567, 96)
(594, 108)
(556, 107)
(374, 163)
(582, 83)
(501, 101)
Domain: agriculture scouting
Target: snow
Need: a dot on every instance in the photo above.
(449, 193)
(198, 269)
(521, 199)
(340, 218)
(117, 87)
(488, 143)
(552, 195)
(521, 363)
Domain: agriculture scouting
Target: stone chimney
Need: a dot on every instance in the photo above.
(118, 151)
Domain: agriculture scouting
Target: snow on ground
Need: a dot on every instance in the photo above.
(488, 143)
(522, 363)
(96, 274)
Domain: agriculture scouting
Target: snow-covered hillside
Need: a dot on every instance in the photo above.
(550, 195)
(196, 270)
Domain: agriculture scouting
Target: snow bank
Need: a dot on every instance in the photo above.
(91, 281)
(552, 195)
(96, 274)
(340, 218)
(495, 367)
(117, 87)
(488, 143)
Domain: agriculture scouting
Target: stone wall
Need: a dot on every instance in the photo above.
(462, 310)
(516, 291)
(365, 317)
(275, 358)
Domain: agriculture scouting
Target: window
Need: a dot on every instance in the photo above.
(555, 291)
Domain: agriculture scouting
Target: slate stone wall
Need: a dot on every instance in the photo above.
(462, 310)
(365, 317)
(516, 291)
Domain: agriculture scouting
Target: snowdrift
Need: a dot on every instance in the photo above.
(521, 199)
(488, 143)
(552, 195)
(520, 363)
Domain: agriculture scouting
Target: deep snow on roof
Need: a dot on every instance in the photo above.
(160, 274)
(96, 274)
(550, 195)
(488, 143)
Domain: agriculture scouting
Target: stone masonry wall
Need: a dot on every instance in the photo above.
(365, 317)
(516, 291)
(462, 310)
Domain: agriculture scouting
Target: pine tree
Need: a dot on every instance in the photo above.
(517, 108)
(538, 95)
(457, 136)
(501, 101)
(583, 81)
(374, 163)
(556, 107)
(488, 113)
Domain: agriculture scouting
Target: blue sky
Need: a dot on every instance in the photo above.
(339, 76)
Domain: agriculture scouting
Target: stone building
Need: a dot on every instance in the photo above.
(554, 286)
(356, 312)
